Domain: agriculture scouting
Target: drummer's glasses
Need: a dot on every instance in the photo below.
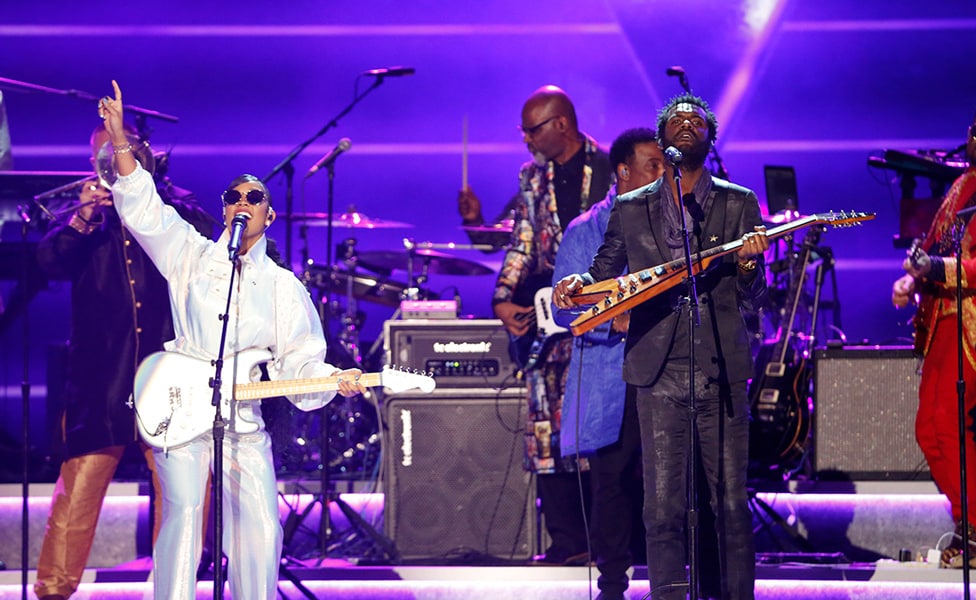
(531, 131)
(253, 197)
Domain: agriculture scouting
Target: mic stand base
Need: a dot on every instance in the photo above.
(285, 572)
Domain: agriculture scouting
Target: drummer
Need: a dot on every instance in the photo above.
(570, 166)
(492, 237)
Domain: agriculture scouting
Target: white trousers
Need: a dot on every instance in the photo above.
(251, 526)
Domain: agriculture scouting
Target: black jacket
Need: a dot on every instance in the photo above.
(635, 239)
(114, 323)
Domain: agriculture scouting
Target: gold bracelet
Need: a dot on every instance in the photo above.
(85, 226)
(122, 150)
(749, 265)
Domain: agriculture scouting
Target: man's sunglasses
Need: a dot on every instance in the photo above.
(253, 197)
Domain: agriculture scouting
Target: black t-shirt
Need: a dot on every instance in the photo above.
(568, 183)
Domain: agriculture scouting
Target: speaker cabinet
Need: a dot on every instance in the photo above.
(456, 486)
(864, 414)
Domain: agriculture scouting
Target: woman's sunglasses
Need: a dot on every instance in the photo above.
(253, 197)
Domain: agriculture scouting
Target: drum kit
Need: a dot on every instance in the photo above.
(380, 277)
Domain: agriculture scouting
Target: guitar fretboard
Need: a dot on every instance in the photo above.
(268, 389)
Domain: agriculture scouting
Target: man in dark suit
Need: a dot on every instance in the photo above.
(645, 229)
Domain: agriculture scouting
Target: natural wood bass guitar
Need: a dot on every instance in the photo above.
(612, 297)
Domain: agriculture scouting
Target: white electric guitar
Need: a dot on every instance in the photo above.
(173, 397)
(526, 349)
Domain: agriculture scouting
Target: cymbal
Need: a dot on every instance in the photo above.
(350, 220)
(431, 260)
(371, 288)
(504, 227)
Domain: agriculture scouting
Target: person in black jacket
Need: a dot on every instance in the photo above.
(120, 314)
(645, 230)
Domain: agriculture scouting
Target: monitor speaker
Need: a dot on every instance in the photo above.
(456, 487)
(864, 414)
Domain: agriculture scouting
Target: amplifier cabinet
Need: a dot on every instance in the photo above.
(455, 482)
(459, 353)
(864, 413)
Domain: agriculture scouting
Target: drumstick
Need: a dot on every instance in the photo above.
(464, 153)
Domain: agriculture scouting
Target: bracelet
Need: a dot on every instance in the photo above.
(749, 265)
(85, 229)
(122, 150)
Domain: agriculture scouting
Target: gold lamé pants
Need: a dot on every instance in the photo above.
(75, 507)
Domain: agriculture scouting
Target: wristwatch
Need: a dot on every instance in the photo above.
(749, 265)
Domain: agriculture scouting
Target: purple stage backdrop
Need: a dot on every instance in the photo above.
(819, 86)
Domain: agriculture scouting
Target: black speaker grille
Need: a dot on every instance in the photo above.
(864, 413)
(456, 483)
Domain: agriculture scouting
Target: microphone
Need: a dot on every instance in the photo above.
(343, 145)
(390, 72)
(673, 155)
(237, 226)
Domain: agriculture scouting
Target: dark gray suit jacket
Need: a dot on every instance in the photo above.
(635, 238)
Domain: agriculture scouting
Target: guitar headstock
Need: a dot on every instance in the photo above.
(400, 380)
(842, 218)
(916, 256)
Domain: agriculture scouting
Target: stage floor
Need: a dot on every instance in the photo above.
(837, 525)
(342, 580)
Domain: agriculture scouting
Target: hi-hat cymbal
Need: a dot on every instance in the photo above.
(423, 259)
(350, 220)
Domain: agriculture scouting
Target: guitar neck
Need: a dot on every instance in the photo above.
(268, 389)
(592, 293)
(609, 300)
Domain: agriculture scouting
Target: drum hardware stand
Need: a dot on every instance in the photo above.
(349, 336)
(288, 169)
(349, 341)
(414, 289)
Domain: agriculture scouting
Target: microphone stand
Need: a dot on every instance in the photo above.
(289, 170)
(25, 411)
(694, 320)
(325, 495)
(141, 113)
(720, 171)
(218, 441)
(957, 235)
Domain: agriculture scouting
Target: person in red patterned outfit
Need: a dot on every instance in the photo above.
(931, 280)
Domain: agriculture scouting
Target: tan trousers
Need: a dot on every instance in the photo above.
(75, 508)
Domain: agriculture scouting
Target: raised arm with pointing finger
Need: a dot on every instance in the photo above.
(269, 310)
